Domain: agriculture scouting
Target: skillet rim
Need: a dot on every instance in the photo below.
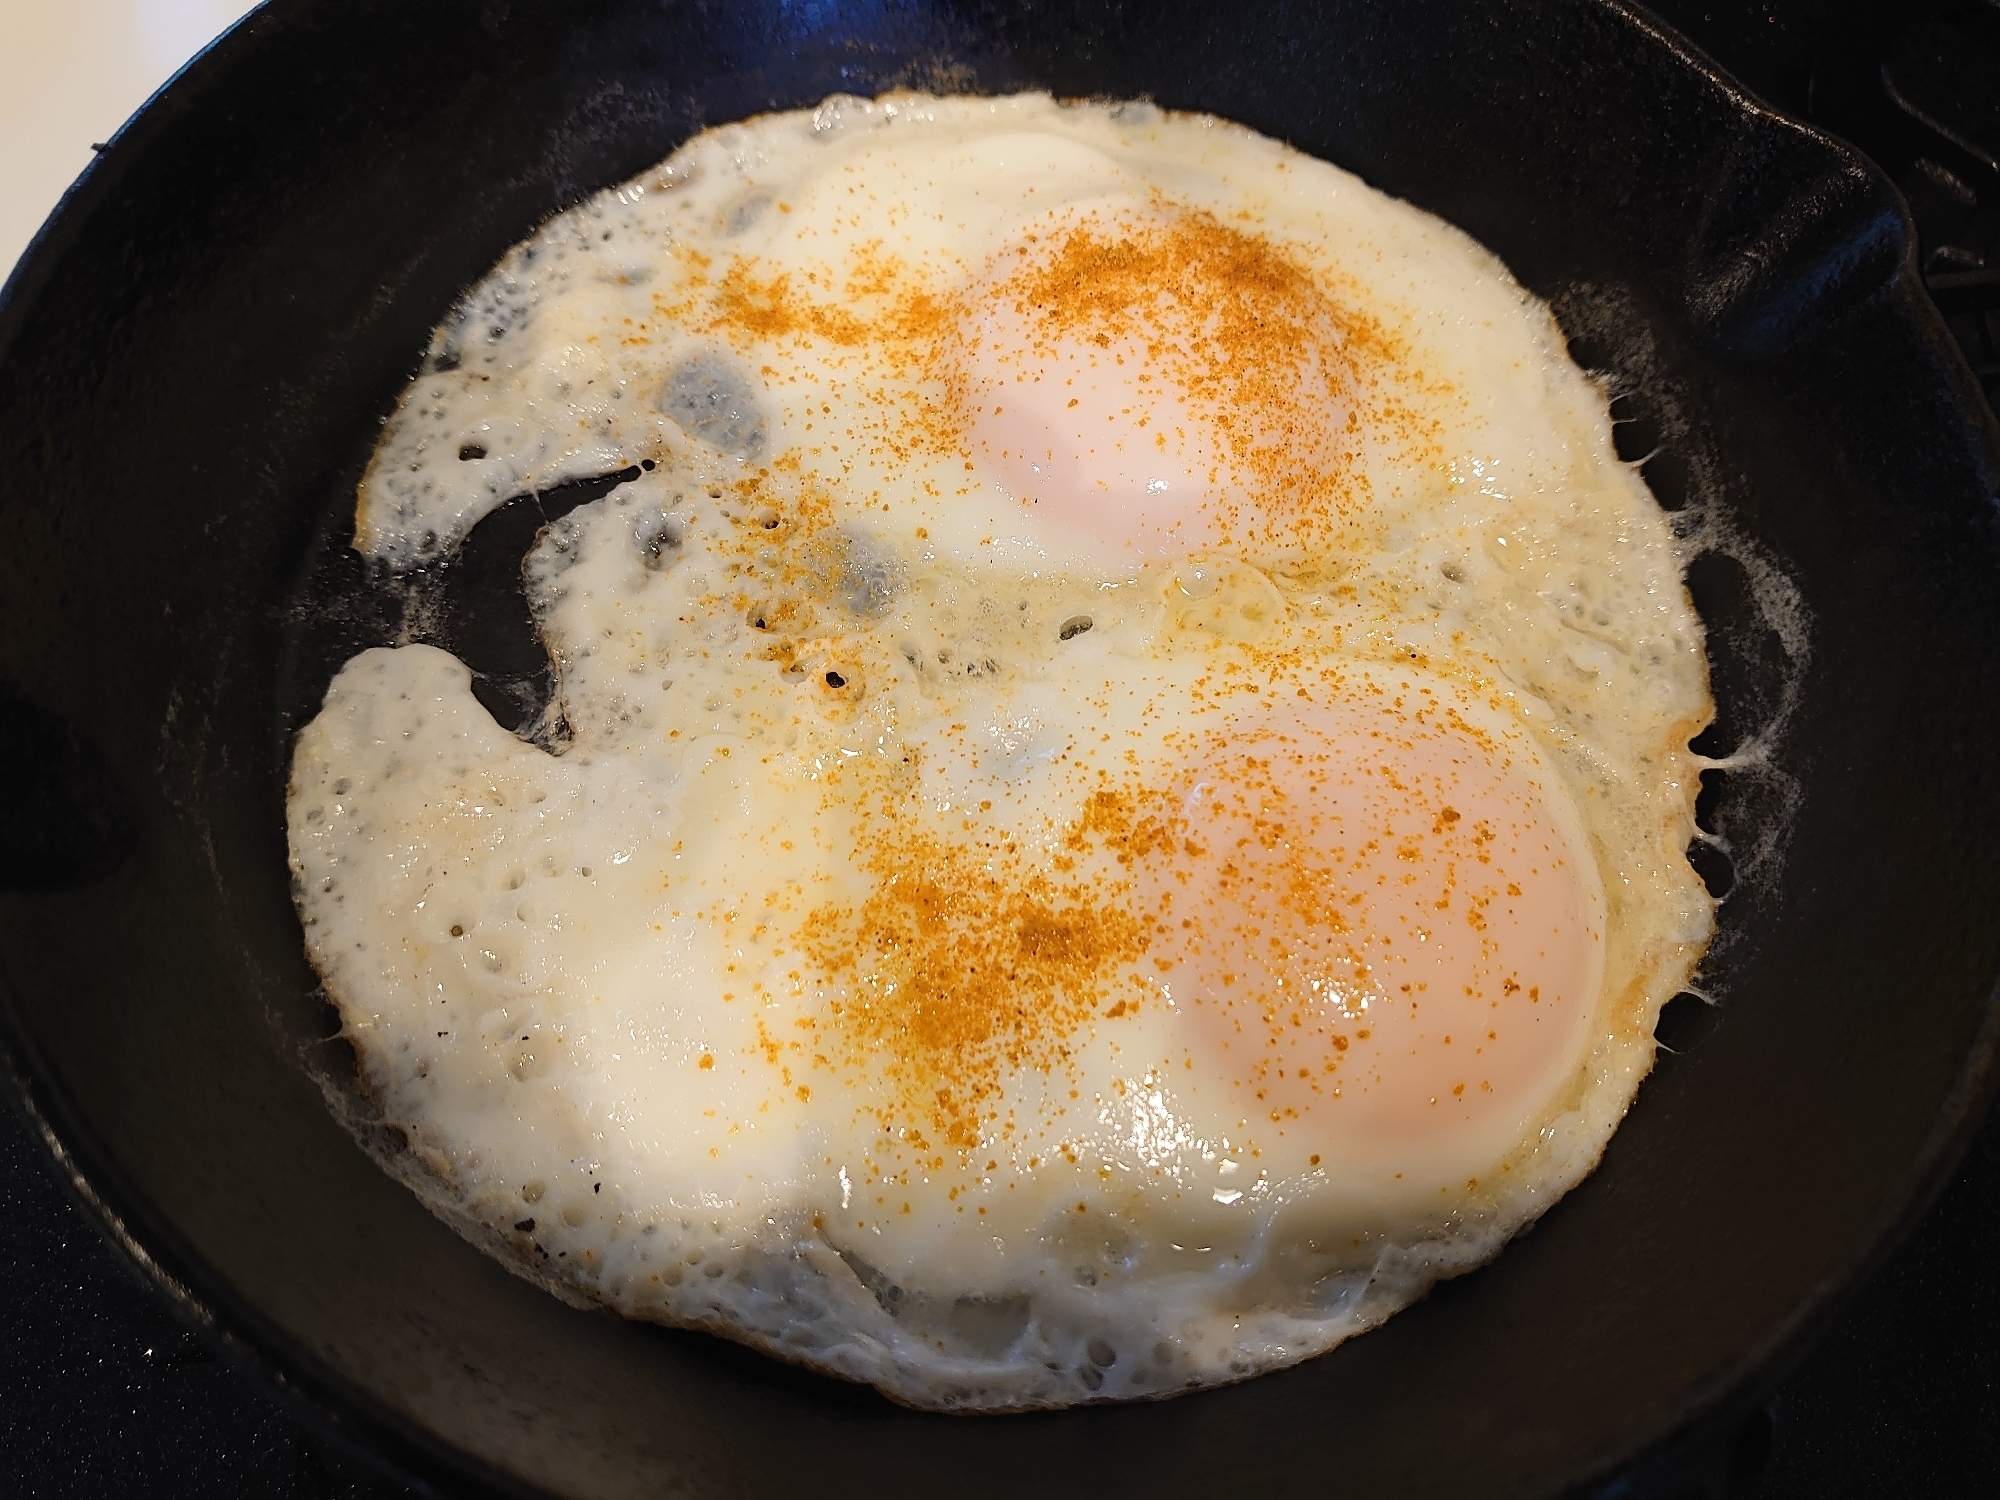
(405, 1449)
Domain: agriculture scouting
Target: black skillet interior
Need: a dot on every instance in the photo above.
(197, 353)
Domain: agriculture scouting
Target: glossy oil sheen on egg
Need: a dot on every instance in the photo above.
(1124, 771)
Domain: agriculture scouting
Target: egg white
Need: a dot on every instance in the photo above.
(819, 637)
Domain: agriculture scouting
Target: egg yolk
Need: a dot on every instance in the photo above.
(1387, 933)
(1155, 382)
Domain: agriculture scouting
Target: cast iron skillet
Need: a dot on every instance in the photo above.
(194, 357)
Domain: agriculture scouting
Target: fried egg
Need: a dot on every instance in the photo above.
(1116, 794)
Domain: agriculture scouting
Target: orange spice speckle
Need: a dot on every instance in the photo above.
(959, 969)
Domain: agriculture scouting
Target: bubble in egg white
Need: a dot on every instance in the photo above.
(978, 934)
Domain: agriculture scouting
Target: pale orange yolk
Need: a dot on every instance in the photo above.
(1158, 384)
(1389, 932)
(1099, 443)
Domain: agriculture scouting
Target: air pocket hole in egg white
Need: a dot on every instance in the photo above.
(1070, 856)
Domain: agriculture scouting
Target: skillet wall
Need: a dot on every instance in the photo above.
(197, 353)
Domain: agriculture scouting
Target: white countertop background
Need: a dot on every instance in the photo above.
(72, 72)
